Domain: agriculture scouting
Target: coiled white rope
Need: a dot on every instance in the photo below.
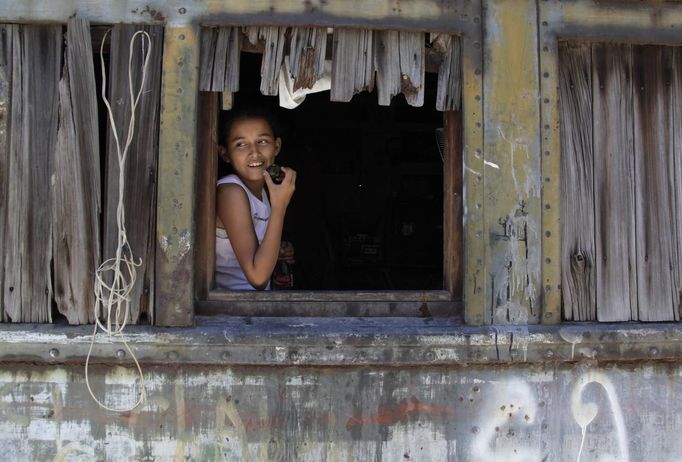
(113, 299)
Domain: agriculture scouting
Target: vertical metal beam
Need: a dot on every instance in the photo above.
(176, 176)
(512, 164)
(472, 120)
(551, 161)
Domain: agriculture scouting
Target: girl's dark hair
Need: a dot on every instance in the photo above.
(247, 112)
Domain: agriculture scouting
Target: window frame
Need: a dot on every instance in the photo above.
(444, 302)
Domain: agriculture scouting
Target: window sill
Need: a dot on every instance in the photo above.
(344, 342)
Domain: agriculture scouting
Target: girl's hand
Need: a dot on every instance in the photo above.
(280, 194)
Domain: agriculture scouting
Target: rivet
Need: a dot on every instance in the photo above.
(477, 45)
(181, 36)
(547, 179)
(478, 234)
(546, 153)
(547, 206)
(545, 75)
(475, 430)
(225, 356)
(548, 288)
(477, 19)
(477, 97)
(429, 356)
(549, 313)
(546, 100)
(182, 10)
(653, 351)
(546, 126)
(544, 23)
(172, 355)
(120, 354)
(477, 72)
(54, 353)
(548, 260)
(294, 356)
(478, 124)
(548, 233)
(549, 353)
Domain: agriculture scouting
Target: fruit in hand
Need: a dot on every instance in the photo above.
(276, 173)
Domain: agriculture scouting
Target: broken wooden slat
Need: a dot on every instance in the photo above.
(307, 52)
(6, 34)
(387, 64)
(412, 58)
(657, 292)
(448, 95)
(141, 163)
(577, 199)
(352, 63)
(76, 181)
(36, 65)
(614, 183)
(219, 68)
(677, 169)
(252, 34)
(273, 56)
(209, 37)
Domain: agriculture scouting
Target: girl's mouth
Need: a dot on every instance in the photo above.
(255, 164)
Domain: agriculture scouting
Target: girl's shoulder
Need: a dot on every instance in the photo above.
(231, 179)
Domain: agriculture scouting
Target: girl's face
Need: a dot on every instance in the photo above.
(251, 148)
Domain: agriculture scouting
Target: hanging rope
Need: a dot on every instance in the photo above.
(112, 300)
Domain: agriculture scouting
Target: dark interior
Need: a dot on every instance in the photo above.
(368, 207)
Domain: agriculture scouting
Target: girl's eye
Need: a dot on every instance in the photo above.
(262, 141)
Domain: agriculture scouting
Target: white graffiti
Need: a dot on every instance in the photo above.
(585, 413)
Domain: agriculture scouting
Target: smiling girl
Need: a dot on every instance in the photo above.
(250, 207)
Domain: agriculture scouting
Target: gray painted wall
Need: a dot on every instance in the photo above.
(579, 411)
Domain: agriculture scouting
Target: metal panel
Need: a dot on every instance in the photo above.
(512, 164)
(176, 188)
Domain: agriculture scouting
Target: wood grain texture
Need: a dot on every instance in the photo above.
(6, 33)
(76, 186)
(387, 64)
(273, 56)
(412, 59)
(577, 179)
(449, 92)
(207, 45)
(677, 171)
(219, 59)
(36, 65)
(616, 288)
(207, 143)
(307, 53)
(142, 159)
(453, 205)
(657, 291)
(352, 63)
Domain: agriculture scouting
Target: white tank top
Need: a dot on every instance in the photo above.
(228, 273)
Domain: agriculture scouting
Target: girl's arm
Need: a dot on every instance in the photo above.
(257, 261)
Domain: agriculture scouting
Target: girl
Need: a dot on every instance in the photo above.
(249, 221)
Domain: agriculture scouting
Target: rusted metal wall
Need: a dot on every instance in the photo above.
(547, 412)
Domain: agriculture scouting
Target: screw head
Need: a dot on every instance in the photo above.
(54, 353)
(172, 355)
(120, 354)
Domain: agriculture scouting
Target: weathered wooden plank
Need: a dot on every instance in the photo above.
(616, 295)
(657, 292)
(76, 181)
(412, 59)
(6, 43)
(174, 278)
(677, 169)
(36, 64)
(453, 206)
(449, 92)
(387, 64)
(307, 52)
(207, 168)
(577, 179)
(141, 162)
(252, 34)
(352, 63)
(207, 46)
(273, 56)
(226, 60)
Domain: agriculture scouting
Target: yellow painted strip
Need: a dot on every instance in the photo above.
(512, 164)
(177, 159)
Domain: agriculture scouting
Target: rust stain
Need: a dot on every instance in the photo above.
(156, 15)
(408, 409)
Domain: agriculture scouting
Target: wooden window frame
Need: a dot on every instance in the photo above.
(445, 302)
